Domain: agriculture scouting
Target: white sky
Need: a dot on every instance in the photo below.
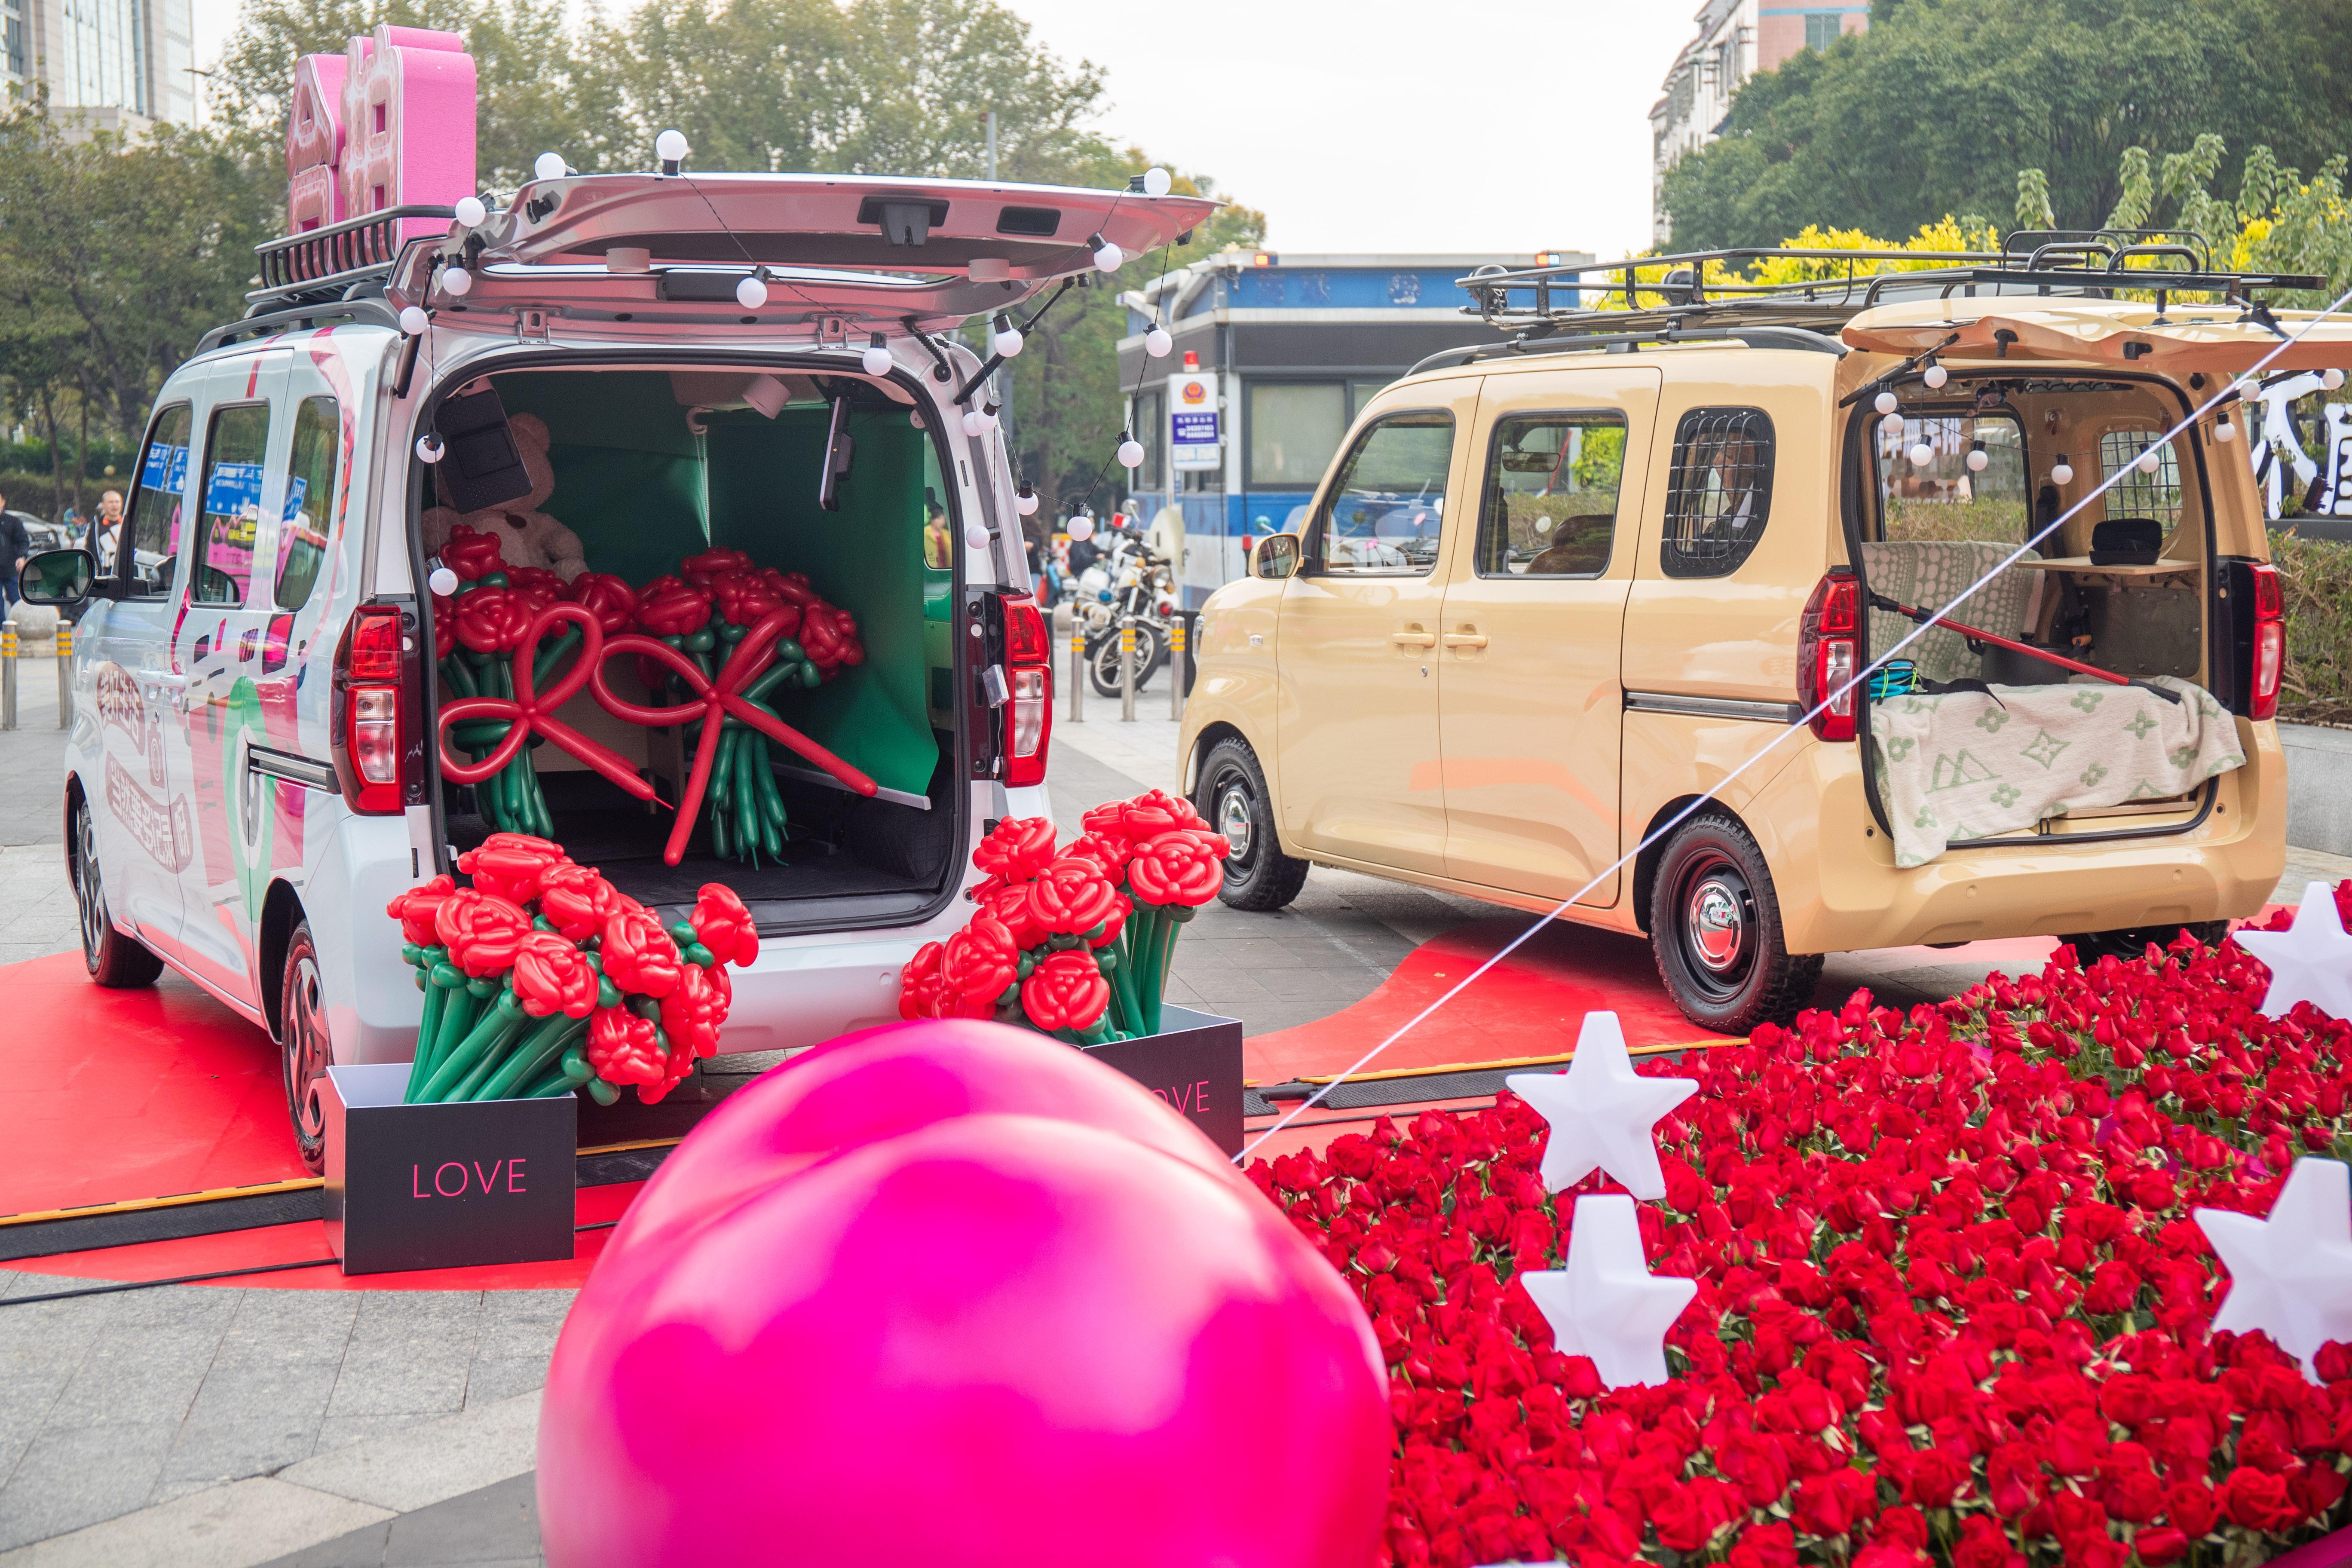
(1375, 124)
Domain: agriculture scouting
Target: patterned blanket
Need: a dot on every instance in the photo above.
(1967, 765)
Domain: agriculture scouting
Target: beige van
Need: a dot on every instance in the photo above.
(1554, 595)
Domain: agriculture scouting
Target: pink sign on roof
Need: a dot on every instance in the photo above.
(387, 124)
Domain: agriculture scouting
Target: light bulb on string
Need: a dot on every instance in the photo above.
(915, 417)
(457, 281)
(1024, 499)
(971, 425)
(1934, 376)
(428, 447)
(2061, 472)
(1157, 343)
(1157, 182)
(1892, 425)
(671, 148)
(976, 536)
(550, 166)
(2225, 429)
(876, 360)
(989, 418)
(1979, 459)
(1081, 527)
(2147, 462)
(2333, 380)
(471, 211)
(752, 292)
(1107, 256)
(1008, 339)
(414, 320)
(443, 582)
(1886, 402)
(1922, 455)
(1130, 451)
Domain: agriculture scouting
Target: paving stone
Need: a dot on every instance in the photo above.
(74, 1475)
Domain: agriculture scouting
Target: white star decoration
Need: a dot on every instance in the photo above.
(2291, 1275)
(1601, 1112)
(1606, 1303)
(2310, 961)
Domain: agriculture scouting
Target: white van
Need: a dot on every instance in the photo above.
(252, 769)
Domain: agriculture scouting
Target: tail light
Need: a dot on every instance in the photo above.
(2270, 645)
(1029, 664)
(375, 716)
(1826, 655)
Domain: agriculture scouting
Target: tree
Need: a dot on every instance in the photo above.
(1934, 109)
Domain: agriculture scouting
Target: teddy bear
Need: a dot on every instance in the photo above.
(526, 536)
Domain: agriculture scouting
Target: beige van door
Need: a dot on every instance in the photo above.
(1530, 701)
(1356, 729)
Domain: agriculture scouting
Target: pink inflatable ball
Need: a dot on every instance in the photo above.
(880, 1082)
(993, 1340)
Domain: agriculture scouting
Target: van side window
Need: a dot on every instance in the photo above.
(1718, 492)
(2156, 496)
(153, 526)
(1551, 495)
(1386, 506)
(228, 515)
(305, 532)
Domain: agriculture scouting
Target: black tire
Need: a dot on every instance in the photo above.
(1102, 658)
(2132, 942)
(304, 1045)
(1232, 794)
(115, 960)
(1715, 928)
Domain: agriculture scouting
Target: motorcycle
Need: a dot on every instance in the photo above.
(1128, 581)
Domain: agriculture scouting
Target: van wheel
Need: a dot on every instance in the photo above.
(305, 1046)
(2132, 942)
(116, 961)
(1715, 926)
(1232, 796)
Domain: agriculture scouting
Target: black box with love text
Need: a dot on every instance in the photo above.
(444, 1186)
(1194, 1064)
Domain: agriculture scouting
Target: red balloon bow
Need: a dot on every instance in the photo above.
(717, 702)
(533, 711)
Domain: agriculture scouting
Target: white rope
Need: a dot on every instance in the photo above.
(2229, 389)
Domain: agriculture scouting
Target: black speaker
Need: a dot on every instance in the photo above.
(480, 465)
(2127, 542)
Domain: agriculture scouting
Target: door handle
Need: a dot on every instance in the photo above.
(1466, 639)
(1414, 639)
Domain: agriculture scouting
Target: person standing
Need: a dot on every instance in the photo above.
(106, 529)
(16, 549)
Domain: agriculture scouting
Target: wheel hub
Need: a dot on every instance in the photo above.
(91, 891)
(306, 1050)
(1233, 820)
(1718, 924)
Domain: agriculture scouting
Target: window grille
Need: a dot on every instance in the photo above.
(1719, 492)
(2156, 495)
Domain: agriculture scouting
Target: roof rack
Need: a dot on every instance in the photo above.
(2082, 263)
(319, 266)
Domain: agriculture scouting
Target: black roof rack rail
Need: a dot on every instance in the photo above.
(319, 265)
(1756, 336)
(372, 309)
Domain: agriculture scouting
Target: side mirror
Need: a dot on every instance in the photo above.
(58, 577)
(1277, 556)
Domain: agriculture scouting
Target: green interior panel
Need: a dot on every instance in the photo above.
(867, 558)
(628, 472)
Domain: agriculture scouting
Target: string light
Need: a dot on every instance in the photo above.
(753, 292)
(428, 447)
(989, 419)
(1130, 451)
(1892, 425)
(1934, 376)
(1080, 526)
(976, 536)
(2225, 430)
(2061, 472)
(471, 211)
(971, 425)
(457, 281)
(1024, 499)
(2332, 379)
(876, 360)
(551, 166)
(1008, 339)
(1157, 182)
(671, 148)
(1107, 256)
(1922, 455)
(414, 320)
(1887, 403)
(1157, 343)
(1979, 458)
(2148, 461)
(443, 582)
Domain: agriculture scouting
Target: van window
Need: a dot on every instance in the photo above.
(1294, 429)
(1943, 498)
(1551, 495)
(229, 514)
(1718, 492)
(307, 529)
(154, 519)
(2156, 495)
(1387, 506)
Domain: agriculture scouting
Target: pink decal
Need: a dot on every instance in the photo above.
(165, 834)
(119, 704)
(408, 105)
(314, 144)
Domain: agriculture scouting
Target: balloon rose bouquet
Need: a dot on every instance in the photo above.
(543, 977)
(1073, 942)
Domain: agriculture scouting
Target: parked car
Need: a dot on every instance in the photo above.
(249, 776)
(1638, 545)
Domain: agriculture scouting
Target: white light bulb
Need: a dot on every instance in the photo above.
(428, 448)
(1979, 458)
(915, 417)
(443, 582)
(1025, 501)
(971, 425)
(1008, 341)
(457, 281)
(1934, 376)
(2248, 388)
(1892, 425)
(671, 147)
(876, 360)
(751, 293)
(414, 320)
(549, 166)
(1156, 182)
(988, 419)
(1107, 256)
(1131, 453)
(1887, 403)
(975, 536)
(471, 211)
(2148, 461)
(1081, 528)
(2331, 379)
(2225, 430)
(1157, 343)
(2062, 473)
(1922, 455)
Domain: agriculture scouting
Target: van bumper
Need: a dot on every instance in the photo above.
(1839, 889)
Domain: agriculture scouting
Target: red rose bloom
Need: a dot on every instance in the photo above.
(511, 864)
(624, 1048)
(979, 966)
(745, 601)
(829, 636)
(2259, 1500)
(921, 987)
(444, 626)
(608, 598)
(672, 612)
(693, 1011)
(1110, 852)
(482, 931)
(550, 976)
(1179, 867)
(1009, 905)
(699, 570)
(639, 955)
(1065, 991)
(1071, 895)
(493, 620)
(723, 925)
(1148, 816)
(415, 909)
(1018, 848)
(575, 900)
(539, 582)
(472, 555)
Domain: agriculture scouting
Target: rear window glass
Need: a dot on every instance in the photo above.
(1551, 495)
(154, 521)
(306, 531)
(2140, 494)
(1718, 492)
(229, 515)
(1950, 495)
(1387, 510)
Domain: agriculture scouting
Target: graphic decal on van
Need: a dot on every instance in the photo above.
(121, 705)
(167, 834)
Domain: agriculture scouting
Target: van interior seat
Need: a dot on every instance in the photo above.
(1929, 574)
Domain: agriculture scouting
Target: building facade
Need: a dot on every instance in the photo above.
(1735, 38)
(1273, 357)
(112, 64)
